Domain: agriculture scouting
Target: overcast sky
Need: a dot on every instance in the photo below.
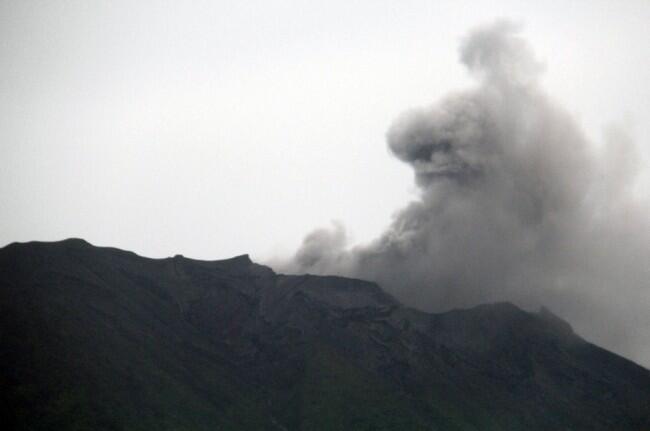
(213, 128)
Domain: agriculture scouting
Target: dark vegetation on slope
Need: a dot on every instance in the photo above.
(103, 339)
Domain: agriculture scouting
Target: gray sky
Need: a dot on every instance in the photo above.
(216, 128)
(213, 128)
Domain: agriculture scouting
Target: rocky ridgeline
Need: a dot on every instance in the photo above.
(100, 338)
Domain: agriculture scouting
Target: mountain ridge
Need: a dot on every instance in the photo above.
(98, 337)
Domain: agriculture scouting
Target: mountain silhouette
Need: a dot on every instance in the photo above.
(101, 338)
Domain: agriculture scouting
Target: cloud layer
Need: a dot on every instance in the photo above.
(515, 204)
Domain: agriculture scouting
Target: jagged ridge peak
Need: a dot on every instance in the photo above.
(338, 291)
(241, 349)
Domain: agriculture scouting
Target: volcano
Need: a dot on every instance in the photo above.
(101, 338)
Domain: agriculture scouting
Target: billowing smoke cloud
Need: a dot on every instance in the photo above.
(515, 205)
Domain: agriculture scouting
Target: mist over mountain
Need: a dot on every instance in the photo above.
(104, 339)
(515, 204)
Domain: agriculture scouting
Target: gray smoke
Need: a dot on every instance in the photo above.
(515, 205)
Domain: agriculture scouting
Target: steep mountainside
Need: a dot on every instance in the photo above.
(103, 339)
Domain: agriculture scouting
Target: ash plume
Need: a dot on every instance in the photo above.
(515, 204)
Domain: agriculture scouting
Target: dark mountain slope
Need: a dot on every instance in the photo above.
(99, 338)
